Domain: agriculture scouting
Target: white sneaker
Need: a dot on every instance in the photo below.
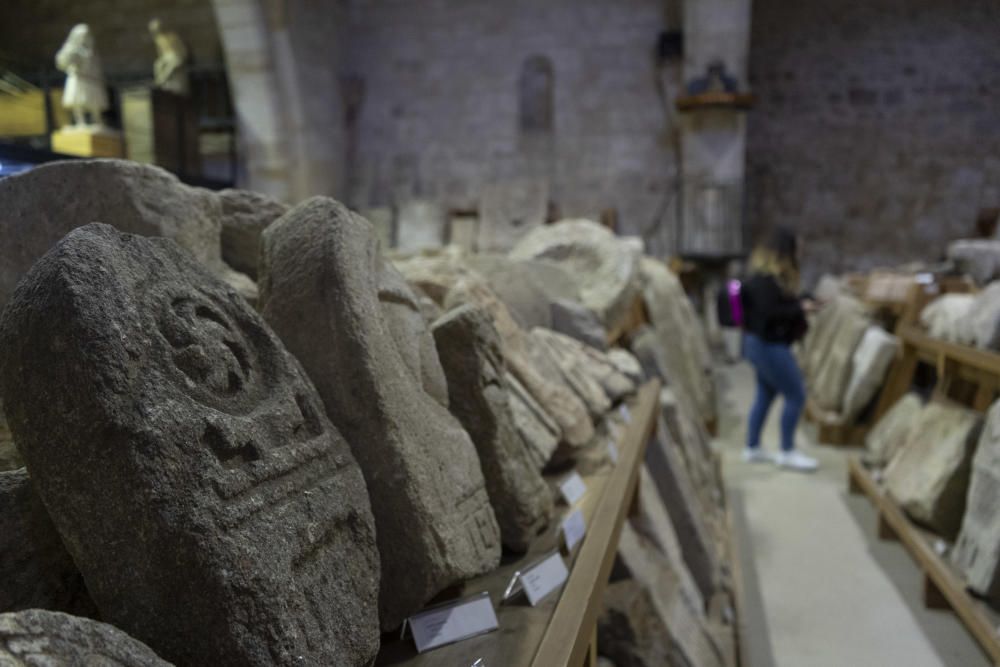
(796, 460)
(757, 455)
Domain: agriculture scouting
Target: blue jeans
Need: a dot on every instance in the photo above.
(777, 373)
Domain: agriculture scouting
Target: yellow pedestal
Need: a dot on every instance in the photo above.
(88, 143)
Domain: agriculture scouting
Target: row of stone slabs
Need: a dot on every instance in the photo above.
(115, 340)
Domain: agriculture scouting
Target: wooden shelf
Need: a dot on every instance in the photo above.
(735, 101)
(561, 630)
(943, 586)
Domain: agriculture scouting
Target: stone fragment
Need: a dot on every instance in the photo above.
(984, 318)
(616, 384)
(463, 231)
(832, 373)
(979, 258)
(681, 342)
(420, 224)
(869, 366)
(43, 638)
(948, 318)
(469, 347)
(572, 364)
(245, 214)
(828, 287)
(212, 509)
(892, 431)
(576, 321)
(527, 287)
(509, 210)
(559, 402)
(36, 570)
(323, 290)
(977, 551)
(626, 363)
(40, 206)
(538, 430)
(605, 268)
(630, 631)
(383, 219)
(435, 273)
(929, 477)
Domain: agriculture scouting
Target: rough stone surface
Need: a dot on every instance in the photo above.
(892, 431)
(616, 384)
(213, 510)
(435, 273)
(42, 205)
(979, 258)
(528, 287)
(420, 224)
(538, 430)
(10, 458)
(574, 365)
(977, 551)
(832, 371)
(509, 211)
(949, 316)
(36, 570)
(558, 401)
(929, 477)
(626, 363)
(869, 366)
(630, 631)
(245, 214)
(605, 268)
(577, 321)
(320, 289)
(681, 341)
(39, 637)
(469, 347)
(985, 318)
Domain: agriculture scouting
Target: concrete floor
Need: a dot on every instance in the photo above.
(820, 588)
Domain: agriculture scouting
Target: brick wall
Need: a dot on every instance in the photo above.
(877, 128)
(440, 115)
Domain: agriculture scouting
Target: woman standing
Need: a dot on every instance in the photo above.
(773, 319)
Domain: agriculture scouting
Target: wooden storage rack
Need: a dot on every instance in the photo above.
(952, 361)
(562, 629)
(943, 588)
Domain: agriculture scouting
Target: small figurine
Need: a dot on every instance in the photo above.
(85, 92)
(170, 68)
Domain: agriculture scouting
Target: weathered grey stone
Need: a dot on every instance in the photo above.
(551, 349)
(828, 385)
(42, 205)
(559, 402)
(435, 273)
(44, 638)
(616, 384)
(869, 366)
(688, 514)
(527, 287)
(420, 224)
(977, 550)
(321, 289)
(630, 631)
(948, 317)
(538, 430)
(980, 258)
(929, 477)
(605, 268)
(590, 362)
(892, 431)
(245, 214)
(626, 363)
(508, 211)
(36, 570)
(823, 327)
(681, 342)
(684, 620)
(197, 484)
(383, 219)
(10, 458)
(577, 321)
(469, 347)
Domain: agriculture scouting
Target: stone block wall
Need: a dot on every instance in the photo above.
(440, 113)
(877, 126)
(31, 31)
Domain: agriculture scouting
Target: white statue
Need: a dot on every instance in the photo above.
(169, 71)
(85, 91)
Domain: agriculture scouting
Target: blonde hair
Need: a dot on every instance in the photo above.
(783, 268)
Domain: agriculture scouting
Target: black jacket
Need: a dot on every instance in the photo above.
(771, 313)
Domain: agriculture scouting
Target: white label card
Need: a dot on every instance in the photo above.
(453, 622)
(624, 412)
(613, 452)
(572, 489)
(573, 529)
(544, 578)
